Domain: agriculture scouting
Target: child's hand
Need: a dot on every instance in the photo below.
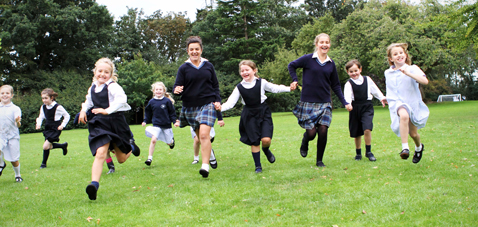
(60, 128)
(349, 107)
(143, 124)
(217, 105)
(99, 111)
(384, 102)
(37, 127)
(178, 89)
(293, 85)
(82, 117)
(221, 123)
(176, 124)
(18, 121)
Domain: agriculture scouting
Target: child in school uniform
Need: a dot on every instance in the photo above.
(109, 161)
(197, 84)
(358, 91)
(408, 112)
(108, 129)
(52, 113)
(314, 111)
(255, 126)
(160, 111)
(10, 121)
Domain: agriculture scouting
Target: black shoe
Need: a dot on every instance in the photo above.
(259, 169)
(370, 157)
(172, 145)
(91, 190)
(320, 164)
(358, 157)
(303, 150)
(212, 139)
(405, 153)
(204, 173)
(18, 179)
(112, 170)
(148, 162)
(418, 155)
(65, 148)
(3, 167)
(270, 157)
(195, 162)
(134, 148)
(214, 166)
(42, 166)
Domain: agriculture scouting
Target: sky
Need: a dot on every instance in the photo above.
(118, 7)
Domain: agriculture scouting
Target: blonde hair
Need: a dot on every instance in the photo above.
(250, 64)
(166, 94)
(404, 46)
(52, 94)
(108, 61)
(318, 37)
(7, 86)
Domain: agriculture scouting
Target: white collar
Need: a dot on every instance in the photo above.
(393, 68)
(6, 105)
(160, 98)
(316, 55)
(201, 60)
(51, 104)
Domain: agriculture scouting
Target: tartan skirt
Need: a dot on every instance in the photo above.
(195, 116)
(310, 114)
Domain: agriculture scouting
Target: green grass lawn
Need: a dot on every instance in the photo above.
(441, 190)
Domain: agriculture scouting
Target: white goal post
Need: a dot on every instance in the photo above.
(449, 98)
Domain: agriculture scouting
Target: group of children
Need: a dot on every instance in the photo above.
(197, 84)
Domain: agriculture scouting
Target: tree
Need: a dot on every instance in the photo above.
(339, 9)
(49, 35)
(168, 34)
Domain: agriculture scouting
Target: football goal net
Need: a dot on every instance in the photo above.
(449, 98)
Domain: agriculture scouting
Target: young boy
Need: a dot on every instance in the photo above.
(359, 90)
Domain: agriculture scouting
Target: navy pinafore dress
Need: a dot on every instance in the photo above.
(112, 128)
(51, 132)
(256, 119)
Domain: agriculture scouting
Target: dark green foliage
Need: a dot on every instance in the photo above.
(50, 35)
(71, 87)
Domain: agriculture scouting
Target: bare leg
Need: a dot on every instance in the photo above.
(367, 137)
(205, 141)
(358, 142)
(414, 134)
(404, 124)
(100, 158)
(152, 145)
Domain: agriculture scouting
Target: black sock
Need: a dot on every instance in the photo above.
(358, 151)
(266, 150)
(58, 145)
(46, 154)
(257, 159)
(368, 148)
(321, 141)
(111, 165)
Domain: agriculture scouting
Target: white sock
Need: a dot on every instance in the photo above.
(196, 157)
(17, 170)
(212, 157)
(419, 148)
(150, 157)
(405, 146)
(205, 166)
(2, 163)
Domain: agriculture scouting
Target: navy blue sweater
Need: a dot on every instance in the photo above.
(200, 85)
(316, 79)
(161, 111)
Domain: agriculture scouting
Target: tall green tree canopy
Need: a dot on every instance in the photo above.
(52, 34)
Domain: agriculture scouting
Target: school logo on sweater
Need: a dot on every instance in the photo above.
(163, 106)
